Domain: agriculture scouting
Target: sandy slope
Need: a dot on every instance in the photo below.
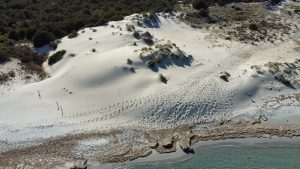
(95, 91)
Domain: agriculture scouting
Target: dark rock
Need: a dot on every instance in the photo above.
(154, 145)
(188, 150)
(168, 146)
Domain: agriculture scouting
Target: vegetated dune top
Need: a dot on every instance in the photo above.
(94, 86)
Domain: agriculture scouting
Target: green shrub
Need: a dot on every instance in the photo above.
(3, 78)
(237, 8)
(56, 57)
(94, 50)
(253, 27)
(149, 42)
(203, 12)
(72, 55)
(11, 74)
(24, 53)
(160, 58)
(132, 69)
(162, 78)
(275, 2)
(53, 45)
(200, 4)
(73, 35)
(42, 38)
(136, 35)
(129, 61)
(3, 57)
(30, 60)
(151, 64)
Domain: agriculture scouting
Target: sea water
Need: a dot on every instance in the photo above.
(233, 157)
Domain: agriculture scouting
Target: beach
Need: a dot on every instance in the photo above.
(157, 86)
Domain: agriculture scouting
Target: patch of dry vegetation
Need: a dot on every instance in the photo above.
(245, 22)
(164, 55)
(286, 73)
(30, 60)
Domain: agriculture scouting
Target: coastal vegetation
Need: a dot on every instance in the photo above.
(74, 34)
(162, 78)
(43, 22)
(26, 19)
(30, 60)
(129, 61)
(56, 57)
(22, 20)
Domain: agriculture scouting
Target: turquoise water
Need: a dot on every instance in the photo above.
(214, 157)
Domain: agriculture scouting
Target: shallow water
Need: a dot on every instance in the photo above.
(228, 157)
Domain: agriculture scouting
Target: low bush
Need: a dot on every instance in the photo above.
(136, 35)
(200, 4)
(72, 35)
(129, 61)
(3, 58)
(151, 64)
(162, 78)
(132, 69)
(3, 78)
(160, 58)
(24, 53)
(237, 8)
(53, 44)
(30, 60)
(275, 2)
(34, 68)
(56, 57)
(253, 27)
(284, 79)
(72, 55)
(11, 74)
(203, 13)
(149, 42)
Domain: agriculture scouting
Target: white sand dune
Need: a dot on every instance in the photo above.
(96, 91)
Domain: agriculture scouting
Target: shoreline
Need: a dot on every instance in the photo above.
(169, 145)
(180, 156)
(230, 95)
